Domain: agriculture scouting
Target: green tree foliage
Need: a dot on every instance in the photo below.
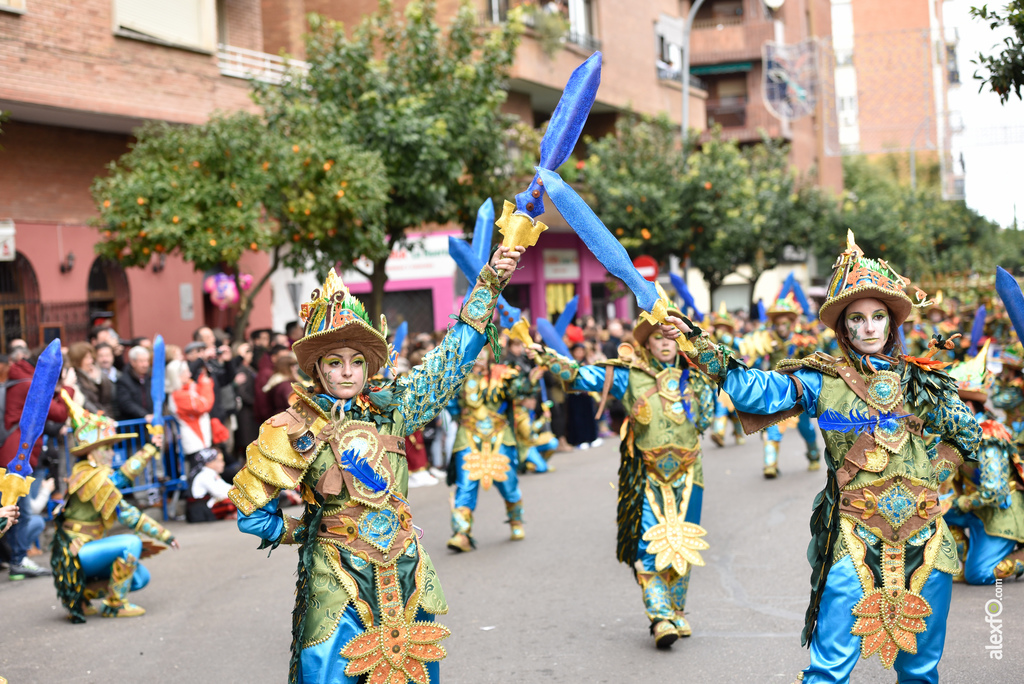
(922, 235)
(211, 192)
(635, 177)
(428, 102)
(726, 207)
(1003, 72)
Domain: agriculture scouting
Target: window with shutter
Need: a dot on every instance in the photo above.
(13, 5)
(186, 23)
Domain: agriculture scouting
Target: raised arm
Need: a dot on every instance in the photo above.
(428, 388)
(581, 378)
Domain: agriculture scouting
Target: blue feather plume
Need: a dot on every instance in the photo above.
(856, 421)
(762, 314)
(353, 462)
(977, 330)
(801, 298)
(551, 337)
(568, 313)
(680, 286)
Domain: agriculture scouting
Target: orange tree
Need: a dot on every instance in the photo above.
(210, 193)
(426, 100)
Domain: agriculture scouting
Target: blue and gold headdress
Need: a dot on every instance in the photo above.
(854, 277)
(335, 318)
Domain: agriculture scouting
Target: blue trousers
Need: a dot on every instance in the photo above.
(98, 556)
(983, 550)
(834, 651)
(466, 490)
(321, 664)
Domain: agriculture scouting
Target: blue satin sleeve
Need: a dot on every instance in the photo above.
(120, 481)
(265, 523)
(591, 379)
(768, 392)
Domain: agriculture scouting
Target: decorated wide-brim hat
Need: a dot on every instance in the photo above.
(785, 306)
(645, 328)
(335, 319)
(723, 318)
(973, 379)
(91, 430)
(855, 276)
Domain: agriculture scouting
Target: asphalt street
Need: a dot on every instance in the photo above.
(556, 607)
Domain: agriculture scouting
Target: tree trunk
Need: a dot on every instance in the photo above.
(379, 277)
(246, 299)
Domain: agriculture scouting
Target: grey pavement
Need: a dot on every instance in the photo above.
(556, 607)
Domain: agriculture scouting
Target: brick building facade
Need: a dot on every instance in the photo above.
(637, 73)
(76, 79)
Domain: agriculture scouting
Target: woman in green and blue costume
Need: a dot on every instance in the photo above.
(366, 592)
(661, 476)
(882, 556)
(988, 501)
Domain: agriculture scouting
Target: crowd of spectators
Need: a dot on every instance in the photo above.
(219, 393)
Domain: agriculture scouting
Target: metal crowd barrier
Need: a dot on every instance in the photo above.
(169, 475)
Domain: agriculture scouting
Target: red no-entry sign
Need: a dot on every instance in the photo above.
(647, 267)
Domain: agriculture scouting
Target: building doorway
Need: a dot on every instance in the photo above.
(19, 302)
(109, 296)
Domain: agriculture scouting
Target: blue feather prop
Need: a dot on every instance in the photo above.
(37, 404)
(1009, 292)
(680, 286)
(157, 391)
(601, 243)
(568, 313)
(977, 330)
(353, 462)
(483, 232)
(551, 337)
(787, 285)
(856, 421)
(564, 129)
(762, 315)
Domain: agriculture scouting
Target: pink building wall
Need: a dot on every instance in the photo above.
(153, 304)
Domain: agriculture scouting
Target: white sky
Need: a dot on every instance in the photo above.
(993, 139)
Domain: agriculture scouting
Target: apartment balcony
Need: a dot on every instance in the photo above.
(741, 119)
(735, 39)
(260, 66)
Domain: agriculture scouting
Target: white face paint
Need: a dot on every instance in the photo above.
(867, 322)
(343, 372)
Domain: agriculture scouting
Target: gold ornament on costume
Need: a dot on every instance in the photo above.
(488, 465)
(673, 541)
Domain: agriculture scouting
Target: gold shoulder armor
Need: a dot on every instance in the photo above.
(819, 361)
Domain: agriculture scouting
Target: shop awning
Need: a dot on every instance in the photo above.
(727, 68)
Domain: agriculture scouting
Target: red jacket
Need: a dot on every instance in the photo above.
(16, 395)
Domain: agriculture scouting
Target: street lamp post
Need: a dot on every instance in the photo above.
(686, 70)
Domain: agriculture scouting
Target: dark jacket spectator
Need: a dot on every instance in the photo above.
(16, 394)
(279, 387)
(245, 391)
(132, 397)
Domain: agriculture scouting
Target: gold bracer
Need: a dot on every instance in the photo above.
(134, 466)
(479, 307)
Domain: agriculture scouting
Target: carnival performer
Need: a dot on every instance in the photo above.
(787, 343)
(661, 482)
(87, 563)
(988, 501)
(724, 332)
(366, 593)
(533, 435)
(1009, 390)
(882, 557)
(485, 450)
